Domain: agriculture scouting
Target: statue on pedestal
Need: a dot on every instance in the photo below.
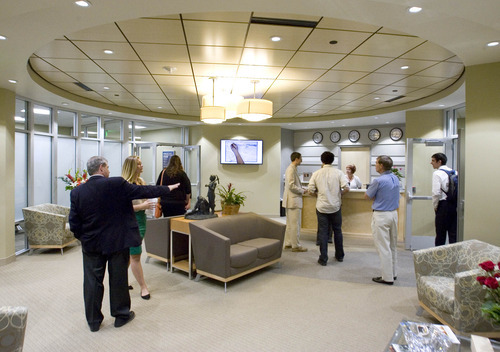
(214, 181)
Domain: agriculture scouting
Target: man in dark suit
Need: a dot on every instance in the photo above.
(102, 218)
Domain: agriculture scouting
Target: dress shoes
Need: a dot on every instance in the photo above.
(130, 287)
(288, 247)
(94, 328)
(120, 322)
(379, 280)
(299, 249)
(322, 263)
(146, 297)
(340, 260)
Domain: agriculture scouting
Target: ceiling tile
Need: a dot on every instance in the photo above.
(123, 66)
(169, 54)
(443, 69)
(328, 86)
(215, 33)
(335, 23)
(214, 54)
(306, 74)
(266, 57)
(148, 30)
(142, 88)
(259, 36)
(259, 72)
(414, 66)
(157, 67)
(381, 78)
(174, 80)
(417, 81)
(40, 65)
(133, 79)
(95, 50)
(342, 76)
(387, 45)
(87, 77)
(307, 59)
(361, 63)
(219, 16)
(429, 51)
(75, 65)
(347, 41)
(56, 76)
(215, 70)
(362, 88)
(314, 94)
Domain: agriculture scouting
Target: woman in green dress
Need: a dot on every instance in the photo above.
(131, 171)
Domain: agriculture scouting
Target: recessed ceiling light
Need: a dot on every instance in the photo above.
(275, 38)
(64, 104)
(110, 113)
(441, 105)
(493, 43)
(387, 122)
(12, 81)
(332, 121)
(41, 111)
(105, 88)
(2, 37)
(375, 117)
(414, 9)
(376, 98)
(405, 67)
(343, 125)
(160, 107)
(333, 42)
(82, 3)
(107, 51)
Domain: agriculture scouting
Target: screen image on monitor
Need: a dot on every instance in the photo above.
(241, 151)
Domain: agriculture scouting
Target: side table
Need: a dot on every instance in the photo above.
(181, 225)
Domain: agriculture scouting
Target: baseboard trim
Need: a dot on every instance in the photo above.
(8, 260)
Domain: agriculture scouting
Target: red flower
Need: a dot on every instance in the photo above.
(487, 265)
(84, 175)
(496, 275)
(491, 282)
(70, 177)
(481, 279)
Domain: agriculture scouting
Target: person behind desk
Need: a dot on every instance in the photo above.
(178, 201)
(384, 191)
(102, 218)
(353, 180)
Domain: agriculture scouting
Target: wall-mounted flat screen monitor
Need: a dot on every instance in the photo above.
(241, 151)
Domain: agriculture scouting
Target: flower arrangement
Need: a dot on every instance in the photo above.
(397, 172)
(229, 196)
(491, 305)
(74, 181)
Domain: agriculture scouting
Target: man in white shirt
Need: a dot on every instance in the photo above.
(446, 211)
(292, 202)
(330, 183)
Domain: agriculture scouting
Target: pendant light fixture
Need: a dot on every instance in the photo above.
(255, 109)
(212, 114)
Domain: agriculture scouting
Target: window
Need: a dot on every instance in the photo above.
(90, 124)
(21, 115)
(42, 116)
(113, 129)
(66, 123)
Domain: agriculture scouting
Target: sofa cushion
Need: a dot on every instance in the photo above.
(242, 256)
(439, 291)
(266, 247)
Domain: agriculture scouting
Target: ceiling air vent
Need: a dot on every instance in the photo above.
(283, 22)
(83, 86)
(395, 98)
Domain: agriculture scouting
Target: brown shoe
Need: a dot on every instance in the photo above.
(288, 247)
(299, 249)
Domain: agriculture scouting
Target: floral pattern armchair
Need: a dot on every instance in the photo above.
(46, 226)
(447, 287)
(12, 328)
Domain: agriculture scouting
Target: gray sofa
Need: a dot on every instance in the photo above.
(229, 247)
(157, 241)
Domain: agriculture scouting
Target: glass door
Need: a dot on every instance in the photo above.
(155, 156)
(420, 229)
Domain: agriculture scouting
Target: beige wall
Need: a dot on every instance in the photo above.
(261, 183)
(424, 124)
(7, 145)
(482, 150)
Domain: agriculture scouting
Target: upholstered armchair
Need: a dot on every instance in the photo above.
(46, 226)
(447, 287)
(12, 328)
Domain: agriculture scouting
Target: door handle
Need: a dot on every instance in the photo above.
(412, 197)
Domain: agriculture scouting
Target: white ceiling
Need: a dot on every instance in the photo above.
(312, 83)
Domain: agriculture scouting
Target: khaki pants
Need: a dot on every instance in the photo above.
(385, 236)
(293, 221)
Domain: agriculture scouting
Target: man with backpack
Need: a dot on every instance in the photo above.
(444, 199)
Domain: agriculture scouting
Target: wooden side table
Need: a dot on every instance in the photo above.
(181, 225)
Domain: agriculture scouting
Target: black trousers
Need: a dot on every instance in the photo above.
(94, 267)
(326, 223)
(446, 222)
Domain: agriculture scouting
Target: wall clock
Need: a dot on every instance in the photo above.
(354, 136)
(374, 135)
(396, 134)
(317, 137)
(335, 136)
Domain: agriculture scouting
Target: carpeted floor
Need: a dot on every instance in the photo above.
(297, 305)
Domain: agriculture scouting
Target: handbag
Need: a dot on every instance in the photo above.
(158, 210)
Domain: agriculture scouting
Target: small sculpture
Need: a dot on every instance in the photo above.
(200, 211)
(214, 181)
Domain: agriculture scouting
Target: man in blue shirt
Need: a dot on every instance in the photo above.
(384, 191)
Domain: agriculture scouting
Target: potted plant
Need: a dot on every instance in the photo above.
(230, 199)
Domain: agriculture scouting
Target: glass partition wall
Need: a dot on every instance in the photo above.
(51, 142)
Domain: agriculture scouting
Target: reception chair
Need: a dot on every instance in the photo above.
(46, 226)
(447, 287)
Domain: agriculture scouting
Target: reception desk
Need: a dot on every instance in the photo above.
(356, 214)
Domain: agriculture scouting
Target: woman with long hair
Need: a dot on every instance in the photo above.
(179, 200)
(131, 171)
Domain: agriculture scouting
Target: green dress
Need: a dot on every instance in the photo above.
(141, 221)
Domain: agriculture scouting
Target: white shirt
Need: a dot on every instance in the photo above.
(328, 182)
(439, 185)
(355, 183)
